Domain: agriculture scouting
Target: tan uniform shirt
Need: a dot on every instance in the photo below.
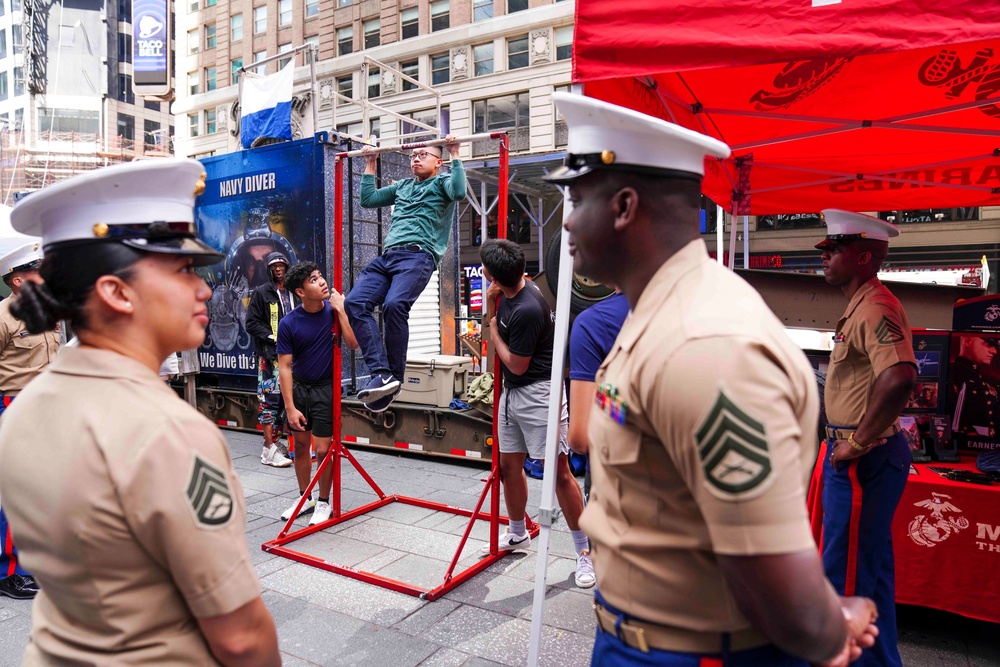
(22, 355)
(873, 335)
(714, 450)
(132, 521)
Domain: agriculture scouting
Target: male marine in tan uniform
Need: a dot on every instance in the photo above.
(22, 357)
(702, 437)
(871, 374)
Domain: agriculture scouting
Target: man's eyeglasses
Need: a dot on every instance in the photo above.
(423, 155)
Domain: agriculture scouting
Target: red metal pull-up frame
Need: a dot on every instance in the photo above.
(338, 451)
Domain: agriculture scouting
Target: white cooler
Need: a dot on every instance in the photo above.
(434, 379)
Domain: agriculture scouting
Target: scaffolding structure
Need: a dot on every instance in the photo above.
(338, 452)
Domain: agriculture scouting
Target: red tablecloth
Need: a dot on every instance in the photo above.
(946, 538)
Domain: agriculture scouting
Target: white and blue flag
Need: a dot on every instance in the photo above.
(266, 107)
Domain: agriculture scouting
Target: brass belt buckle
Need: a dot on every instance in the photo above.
(638, 636)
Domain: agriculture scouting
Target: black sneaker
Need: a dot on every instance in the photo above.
(382, 404)
(18, 587)
(381, 385)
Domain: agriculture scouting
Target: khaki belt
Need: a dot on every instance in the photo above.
(645, 636)
(842, 433)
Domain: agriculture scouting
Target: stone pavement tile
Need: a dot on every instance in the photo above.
(434, 520)
(348, 596)
(13, 639)
(380, 560)
(495, 592)
(414, 540)
(316, 635)
(446, 657)
(462, 499)
(6, 614)
(416, 570)
(432, 612)
(259, 481)
(336, 548)
(257, 521)
(22, 607)
(561, 572)
(922, 649)
(504, 639)
(289, 661)
(983, 653)
(482, 662)
(568, 610)
(272, 566)
(402, 513)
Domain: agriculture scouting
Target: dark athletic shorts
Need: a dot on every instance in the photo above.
(315, 401)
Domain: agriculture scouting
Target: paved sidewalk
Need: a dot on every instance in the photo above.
(327, 619)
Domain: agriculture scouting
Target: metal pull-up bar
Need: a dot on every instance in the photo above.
(422, 144)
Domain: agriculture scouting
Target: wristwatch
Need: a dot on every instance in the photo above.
(854, 443)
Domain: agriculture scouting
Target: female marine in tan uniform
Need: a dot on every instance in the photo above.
(129, 512)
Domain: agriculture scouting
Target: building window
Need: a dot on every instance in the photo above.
(194, 126)
(371, 30)
(194, 6)
(210, 3)
(409, 23)
(257, 57)
(344, 3)
(376, 127)
(312, 8)
(234, 68)
(345, 86)
(125, 92)
(345, 40)
(3, 85)
(151, 135)
(284, 48)
(124, 10)
(284, 12)
(350, 129)
(440, 69)
(516, 6)
(561, 130)
(564, 43)
(126, 127)
(414, 133)
(517, 52)
(194, 41)
(410, 68)
(374, 82)
(19, 81)
(193, 83)
(151, 105)
(67, 120)
(210, 36)
(440, 15)
(211, 127)
(501, 113)
(482, 10)
(124, 47)
(259, 19)
(209, 79)
(482, 57)
(313, 41)
(3, 42)
(236, 27)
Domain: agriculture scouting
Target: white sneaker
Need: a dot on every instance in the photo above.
(322, 513)
(585, 576)
(273, 457)
(509, 542)
(307, 508)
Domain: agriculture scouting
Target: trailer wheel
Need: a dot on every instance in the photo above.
(585, 292)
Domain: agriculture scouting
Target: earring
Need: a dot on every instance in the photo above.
(128, 304)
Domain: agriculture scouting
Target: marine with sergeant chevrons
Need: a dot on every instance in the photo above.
(702, 433)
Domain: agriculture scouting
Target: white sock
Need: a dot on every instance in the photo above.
(517, 527)
(580, 541)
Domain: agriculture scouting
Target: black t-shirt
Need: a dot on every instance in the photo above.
(525, 324)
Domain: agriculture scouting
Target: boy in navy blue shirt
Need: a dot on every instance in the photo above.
(305, 371)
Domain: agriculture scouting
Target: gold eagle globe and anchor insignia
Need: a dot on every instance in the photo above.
(929, 530)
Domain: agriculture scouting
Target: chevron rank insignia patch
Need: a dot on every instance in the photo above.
(208, 493)
(733, 450)
(888, 332)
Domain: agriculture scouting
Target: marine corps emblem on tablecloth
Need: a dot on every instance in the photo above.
(928, 530)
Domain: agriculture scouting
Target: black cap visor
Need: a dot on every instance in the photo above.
(202, 253)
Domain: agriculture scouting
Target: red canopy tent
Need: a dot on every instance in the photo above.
(861, 104)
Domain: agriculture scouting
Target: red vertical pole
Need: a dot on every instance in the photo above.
(338, 284)
(497, 372)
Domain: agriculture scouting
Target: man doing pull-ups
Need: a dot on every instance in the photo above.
(418, 236)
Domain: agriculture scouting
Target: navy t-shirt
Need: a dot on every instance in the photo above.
(594, 333)
(525, 324)
(308, 337)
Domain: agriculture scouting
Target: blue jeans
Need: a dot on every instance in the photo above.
(9, 563)
(859, 501)
(610, 651)
(392, 280)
